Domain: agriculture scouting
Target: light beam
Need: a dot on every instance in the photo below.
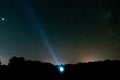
(26, 4)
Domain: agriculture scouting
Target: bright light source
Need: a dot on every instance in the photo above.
(3, 19)
(61, 69)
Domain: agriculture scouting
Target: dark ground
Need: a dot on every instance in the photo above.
(19, 68)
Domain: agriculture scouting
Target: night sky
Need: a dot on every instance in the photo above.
(76, 30)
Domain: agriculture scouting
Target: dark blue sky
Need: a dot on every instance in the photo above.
(77, 30)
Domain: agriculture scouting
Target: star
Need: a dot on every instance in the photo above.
(3, 19)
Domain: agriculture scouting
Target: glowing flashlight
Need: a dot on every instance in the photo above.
(61, 69)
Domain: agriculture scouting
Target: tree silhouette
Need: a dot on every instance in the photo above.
(16, 60)
(21, 68)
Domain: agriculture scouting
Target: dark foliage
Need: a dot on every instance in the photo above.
(19, 68)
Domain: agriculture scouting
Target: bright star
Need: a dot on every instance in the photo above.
(3, 19)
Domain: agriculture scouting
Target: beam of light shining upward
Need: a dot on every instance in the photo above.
(36, 24)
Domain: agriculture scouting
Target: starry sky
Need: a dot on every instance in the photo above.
(77, 30)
